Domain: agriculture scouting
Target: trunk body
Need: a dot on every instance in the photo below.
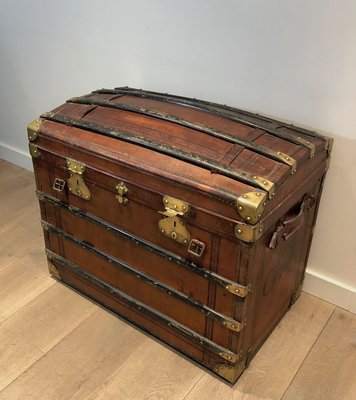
(190, 219)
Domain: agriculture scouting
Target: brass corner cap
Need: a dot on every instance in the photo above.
(329, 144)
(33, 129)
(287, 159)
(251, 206)
(265, 184)
(35, 153)
(229, 372)
(248, 233)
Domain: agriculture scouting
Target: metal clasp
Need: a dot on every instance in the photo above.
(122, 191)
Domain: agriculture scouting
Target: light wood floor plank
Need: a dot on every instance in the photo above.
(19, 284)
(37, 327)
(152, 372)
(278, 360)
(79, 363)
(329, 372)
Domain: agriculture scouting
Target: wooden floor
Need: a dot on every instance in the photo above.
(56, 344)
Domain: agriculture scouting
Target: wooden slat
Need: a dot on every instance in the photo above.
(37, 327)
(152, 372)
(278, 360)
(19, 284)
(329, 371)
(80, 362)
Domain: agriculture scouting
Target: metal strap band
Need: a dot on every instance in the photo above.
(218, 110)
(182, 329)
(255, 147)
(192, 158)
(207, 311)
(230, 286)
(307, 132)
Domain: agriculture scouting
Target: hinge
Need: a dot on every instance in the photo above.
(265, 184)
(251, 205)
(248, 233)
(238, 290)
(75, 182)
(174, 207)
(35, 153)
(122, 191)
(33, 129)
(230, 372)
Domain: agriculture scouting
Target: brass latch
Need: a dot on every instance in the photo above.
(173, 226)
(122, 191)
(75, 182)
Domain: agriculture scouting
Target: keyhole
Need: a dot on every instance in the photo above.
(78, 182)
(174, 223)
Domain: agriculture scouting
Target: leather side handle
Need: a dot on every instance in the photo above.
(290, 226)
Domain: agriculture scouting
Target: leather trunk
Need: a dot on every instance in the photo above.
(190, 219)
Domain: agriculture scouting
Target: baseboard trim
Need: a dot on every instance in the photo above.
(16, 156)
(328, 289)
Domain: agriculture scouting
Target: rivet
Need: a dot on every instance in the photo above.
(254, 177)
(258, 194)
(162, 230)
(259, 216)
(308, 142)
(185, 241)
(70, 189)
(87, 197)
(278, 152)
(229, 357)
(181, 222)
(287, 158)
(239, 231)
(240, 208)
(299, 138)
(264, 204)
(166, 201)
(264, 182)
(233, 326)
(174, 206)
(184, 208)
(248, 218)
(237, 290)
(245, 196)
(260, 230)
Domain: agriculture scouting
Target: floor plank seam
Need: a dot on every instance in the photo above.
(307, 354)
(24, 305)
(195, 384)
(46, 352)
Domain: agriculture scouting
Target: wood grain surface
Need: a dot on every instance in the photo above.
(56, 344)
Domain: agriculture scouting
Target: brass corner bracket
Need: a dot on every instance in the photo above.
(230, 372)
(286, 159)
(329, 143)
(52, 269)
(35, 153)
(33, 129)
(248, 233)
(265, 184)
(251, 205)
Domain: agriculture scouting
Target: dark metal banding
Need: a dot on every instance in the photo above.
(307, 132)
(238, 290)
(171, 323)
(192, 158)
(212, 109)
(230, 323)
(255, 147)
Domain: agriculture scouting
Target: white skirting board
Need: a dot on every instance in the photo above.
(330, 290)
(315, 283)
(16, 156)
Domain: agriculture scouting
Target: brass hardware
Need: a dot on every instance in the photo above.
(75, 182)
(33, 128)
(174, 228)
(122, 191)
(248, 233)
(329, 144)
(35, 153)
(285, 158)
(52, 269)
(265, 184)
(232, 357)
(174, 207)
(196, 247)
(59, 185)
(230, 372)
(327, 163)
(238, 290)
(233, 325)
(309, 145)
(251, 206)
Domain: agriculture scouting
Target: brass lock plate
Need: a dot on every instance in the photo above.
(75, 182)
(174, 228)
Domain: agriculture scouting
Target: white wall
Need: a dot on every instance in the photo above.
(294, 60)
